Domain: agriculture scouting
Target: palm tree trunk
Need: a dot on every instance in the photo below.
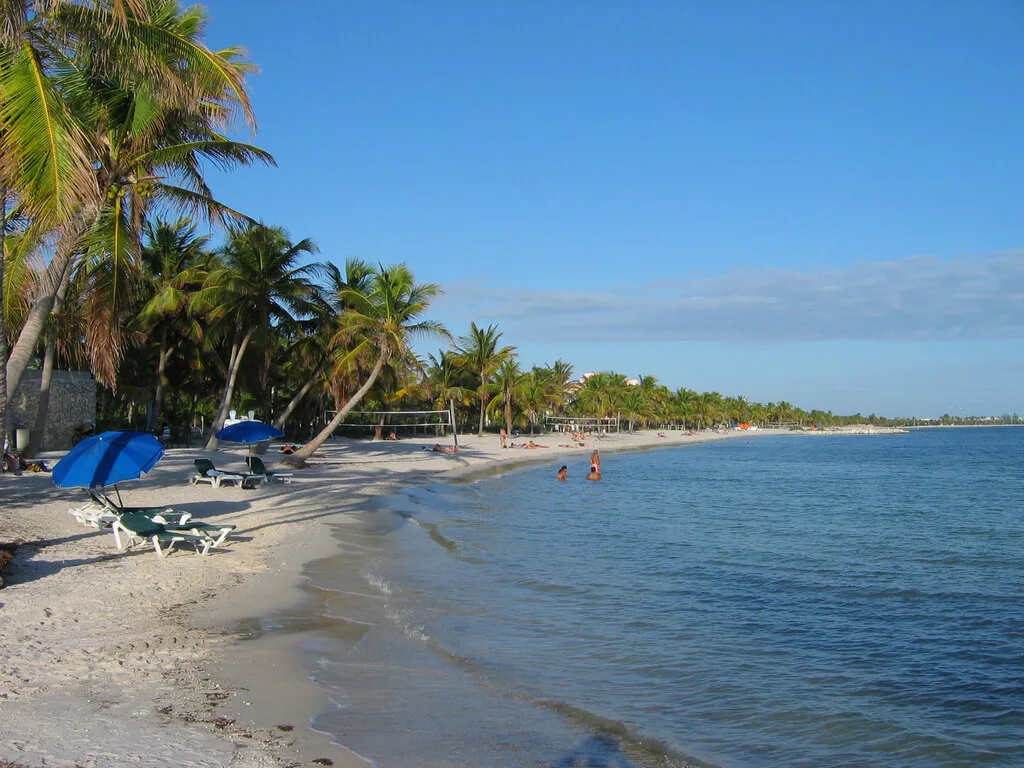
(3, 329)
(43, 406)
(508, 416)
(193, 406)
(158, 394)
(293, 404)
(234, 363)
(56, 274)
(43, 409)
(483, 404)
(298, 459)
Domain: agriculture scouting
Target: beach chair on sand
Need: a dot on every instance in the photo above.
(260, 470)
(172, 520)
(206, 472)
(136, 526)
(101, 511)
(91, 513)
(133, 525)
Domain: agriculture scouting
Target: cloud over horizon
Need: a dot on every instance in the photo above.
(921, 298)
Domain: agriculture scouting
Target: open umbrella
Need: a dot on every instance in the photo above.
(249, 432)
(106, 459)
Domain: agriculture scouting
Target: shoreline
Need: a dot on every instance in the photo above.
(173, 644)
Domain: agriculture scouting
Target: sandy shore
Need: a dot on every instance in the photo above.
(110, 658)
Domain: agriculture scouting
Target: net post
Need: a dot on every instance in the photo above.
(451, 421)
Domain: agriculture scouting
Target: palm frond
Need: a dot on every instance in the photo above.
(43, 150)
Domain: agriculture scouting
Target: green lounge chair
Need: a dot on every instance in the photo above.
(172, 520)
(206, 472)
(259, 469)
(136, 525)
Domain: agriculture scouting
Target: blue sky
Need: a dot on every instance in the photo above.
(818, 202)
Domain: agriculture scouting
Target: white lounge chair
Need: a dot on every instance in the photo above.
(206, 472)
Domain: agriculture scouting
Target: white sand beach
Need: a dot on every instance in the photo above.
(114, 658)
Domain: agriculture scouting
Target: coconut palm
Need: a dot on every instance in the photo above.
(601, 394)
(259, 285)
(310, 355)
(444, 381)
(538, 392)
(107, 108)
(506, 389)
(558, 385)
(380, 322)
(171, 257)
(478, 351)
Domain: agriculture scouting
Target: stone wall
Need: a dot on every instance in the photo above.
(72, 401)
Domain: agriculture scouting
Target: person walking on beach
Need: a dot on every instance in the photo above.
(563, 473)
(503, 436)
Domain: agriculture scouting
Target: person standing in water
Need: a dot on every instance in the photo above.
(595, 462)
(563, 473)
(594, 474)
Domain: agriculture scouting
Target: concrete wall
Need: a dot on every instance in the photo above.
(72, 401)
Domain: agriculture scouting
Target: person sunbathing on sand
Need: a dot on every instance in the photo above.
(438, 448)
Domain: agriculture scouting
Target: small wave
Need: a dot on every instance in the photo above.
(645, 750)
(381, 584)
(436, 536)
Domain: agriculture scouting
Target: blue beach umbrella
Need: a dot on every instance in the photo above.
(106, 459)
(249, 432)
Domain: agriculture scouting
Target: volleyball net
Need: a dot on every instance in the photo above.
(581, 424)
(394, 424)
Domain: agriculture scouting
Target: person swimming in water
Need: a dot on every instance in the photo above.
(563, 473)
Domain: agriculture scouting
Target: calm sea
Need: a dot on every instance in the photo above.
(783, 601)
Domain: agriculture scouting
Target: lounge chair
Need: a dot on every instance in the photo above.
(101, 511)
(136, 525)
(91, 513)
(260, 470)
(166, 514)
(175, 521)
(206, 472)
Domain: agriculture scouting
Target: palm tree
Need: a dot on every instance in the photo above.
(107, 108)
(479, 352)
(537, 392)
(601, 394)
(311, 353)
(507, 388)
(171, 258)
(381, 321)
(259, 286)
(558, 383)
(443, 382)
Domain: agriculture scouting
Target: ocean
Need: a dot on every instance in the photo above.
(833, 600)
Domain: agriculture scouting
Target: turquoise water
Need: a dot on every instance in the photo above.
(782, 601)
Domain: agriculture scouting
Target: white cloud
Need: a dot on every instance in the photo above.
(921, 298)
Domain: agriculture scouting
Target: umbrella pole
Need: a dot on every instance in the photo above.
(118, 492)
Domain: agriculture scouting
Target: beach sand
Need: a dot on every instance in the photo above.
(112, 658)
